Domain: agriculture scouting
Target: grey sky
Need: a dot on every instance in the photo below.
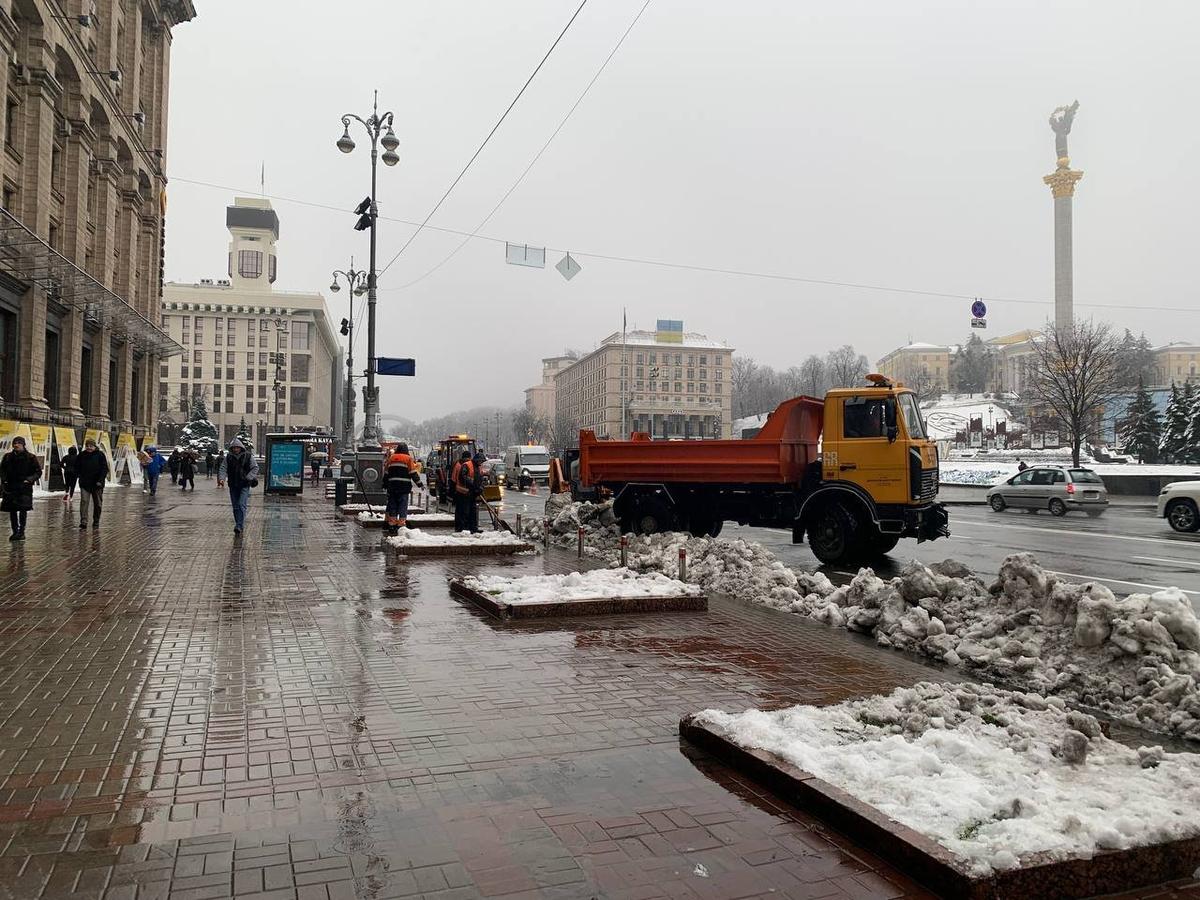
(899, 144)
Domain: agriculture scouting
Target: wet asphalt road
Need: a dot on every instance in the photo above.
(1128, 548)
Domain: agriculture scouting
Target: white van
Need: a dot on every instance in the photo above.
(525, 463)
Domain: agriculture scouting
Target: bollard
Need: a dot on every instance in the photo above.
(581, 542)
(624, 551)
(519, 532)
(546, 531)
(682, 564)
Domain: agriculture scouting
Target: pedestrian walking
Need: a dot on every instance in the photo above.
(462, 477)
(70, 475)
(173, 465)
(19, 472)
(1021, 465)
(93, 472)
(209, 459)
(314, 463)
(400, 474)
(187, 470)
(153, 467)
(477, 481)
(239, 470)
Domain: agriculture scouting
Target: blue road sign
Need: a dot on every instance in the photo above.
(979, 309)
(385, 365)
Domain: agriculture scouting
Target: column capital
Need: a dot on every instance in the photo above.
(1063, 179)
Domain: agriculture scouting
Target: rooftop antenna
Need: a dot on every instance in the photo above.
(262, 179)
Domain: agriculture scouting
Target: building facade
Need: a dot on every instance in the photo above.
(928, 361)
(82, 170)
(539, 399)
(1178, 363)
(671, 383)
(268, 358)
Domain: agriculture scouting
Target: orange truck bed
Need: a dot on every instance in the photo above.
(778, 454)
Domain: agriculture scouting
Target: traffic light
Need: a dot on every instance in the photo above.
(363, 211)
(345, 327)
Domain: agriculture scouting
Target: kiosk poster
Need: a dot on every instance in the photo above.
(126, 457)
(65, 439)
(9, 429)
(39, 446)
(286, 466)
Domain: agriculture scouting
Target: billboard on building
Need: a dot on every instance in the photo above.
(670, 331)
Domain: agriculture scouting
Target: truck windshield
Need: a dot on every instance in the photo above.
(912, 416)
(535, 459)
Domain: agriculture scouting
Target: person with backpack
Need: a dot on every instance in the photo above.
(19, 472)
(93, 472)
(153, 467)
(239, 470)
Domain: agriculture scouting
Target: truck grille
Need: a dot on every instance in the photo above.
(929, 484)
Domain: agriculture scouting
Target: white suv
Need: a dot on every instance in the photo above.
(1179, 504)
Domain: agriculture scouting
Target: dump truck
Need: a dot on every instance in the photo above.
(855, 473)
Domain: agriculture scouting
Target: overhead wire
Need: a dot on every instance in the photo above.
(475, 231)
(475, 155)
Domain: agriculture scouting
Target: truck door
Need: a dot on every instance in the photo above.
(861, 452)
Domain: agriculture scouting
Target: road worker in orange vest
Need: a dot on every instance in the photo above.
(462, 480)
(400, 474)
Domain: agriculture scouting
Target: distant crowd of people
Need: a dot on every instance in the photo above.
(86, 471)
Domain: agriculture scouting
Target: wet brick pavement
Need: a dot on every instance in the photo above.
(296, 715)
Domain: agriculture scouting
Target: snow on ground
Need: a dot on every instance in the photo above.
(595, 584)
(957, 473)
(991, 775)
(415, 537)
(1137, 657)
(370, 517)
(430, 519)
(358, 507)
(990, 468)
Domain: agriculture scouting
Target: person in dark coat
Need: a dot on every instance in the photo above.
(187, 470)
(70, 476)
(239, 470)
(462, 478)
(209, 459)
(93, 472)
(19, 472)
(173, 465)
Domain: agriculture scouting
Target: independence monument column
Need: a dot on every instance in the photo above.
(1062, 186)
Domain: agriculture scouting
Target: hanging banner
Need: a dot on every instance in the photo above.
(125, 459)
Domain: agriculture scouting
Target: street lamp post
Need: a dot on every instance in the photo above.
(356, 281)
(368, 212)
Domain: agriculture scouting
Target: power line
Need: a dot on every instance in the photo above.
(475, 155)
(714, 270)
(537, 156)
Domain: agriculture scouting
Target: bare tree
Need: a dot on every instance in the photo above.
(1077, 375)
(746, 387)
(845, 367)
(917, 378)
(813, 380)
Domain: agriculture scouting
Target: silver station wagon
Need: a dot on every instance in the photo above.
(1058, 489)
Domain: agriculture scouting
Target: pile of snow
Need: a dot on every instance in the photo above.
(991, 775)
(430, 519)
(358, 507)
(1137, 658)
(596, 584)
(960, 474)
(370, 517)
(415, 537)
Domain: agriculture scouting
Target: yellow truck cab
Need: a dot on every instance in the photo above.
(877, 467)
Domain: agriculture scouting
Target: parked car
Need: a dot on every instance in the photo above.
(1058, 489)
(1179, 504)
(494, 470)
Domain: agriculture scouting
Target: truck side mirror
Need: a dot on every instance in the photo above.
(889, 414)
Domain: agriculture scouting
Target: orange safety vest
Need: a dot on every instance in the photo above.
(459, 487)
(404, 467)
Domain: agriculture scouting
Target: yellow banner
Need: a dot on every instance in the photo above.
(125, 441)
(65, 439)
(8, 431)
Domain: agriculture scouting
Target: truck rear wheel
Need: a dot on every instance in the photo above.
(704, 524)
(833, 535)
(650, 515)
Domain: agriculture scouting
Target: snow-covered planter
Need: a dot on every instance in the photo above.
(415, 542)
(1001, 780)
(596, 592)
(430, 520)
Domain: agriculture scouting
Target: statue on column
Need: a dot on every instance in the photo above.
(1060, 124)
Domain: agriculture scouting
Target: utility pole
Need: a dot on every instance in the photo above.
(356, 281)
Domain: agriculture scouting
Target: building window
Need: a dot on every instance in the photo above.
(299, 368)
(249, 406)
(300, 335)
(220, 338)
(262, 340)
(12, 113)
(262, 407)
(163, 370)
(272, 269)
(250, 263)
(300, 401)
(216, 373)
(183, 403)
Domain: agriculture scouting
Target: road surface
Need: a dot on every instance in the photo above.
(1127, 548)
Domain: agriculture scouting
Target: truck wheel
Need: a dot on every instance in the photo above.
(652, 516)
(833, 534)
(882, 544)
(704, 525)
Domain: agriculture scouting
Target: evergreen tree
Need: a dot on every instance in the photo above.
(1175, 426)
(1143, 427)
(1191, 441)
(199, 434)
(243, 434)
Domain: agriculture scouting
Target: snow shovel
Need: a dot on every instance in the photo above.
(497, 522)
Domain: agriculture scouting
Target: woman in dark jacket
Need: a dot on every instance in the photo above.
(19, 472)
(187, 470)
(70, 472)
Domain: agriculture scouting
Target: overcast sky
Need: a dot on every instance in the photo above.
(899, 144)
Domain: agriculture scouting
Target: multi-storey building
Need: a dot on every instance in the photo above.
(539, 399)
(673, 384)
(81, 231)
(927, 362)
(242, 340)
(1178, 362)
